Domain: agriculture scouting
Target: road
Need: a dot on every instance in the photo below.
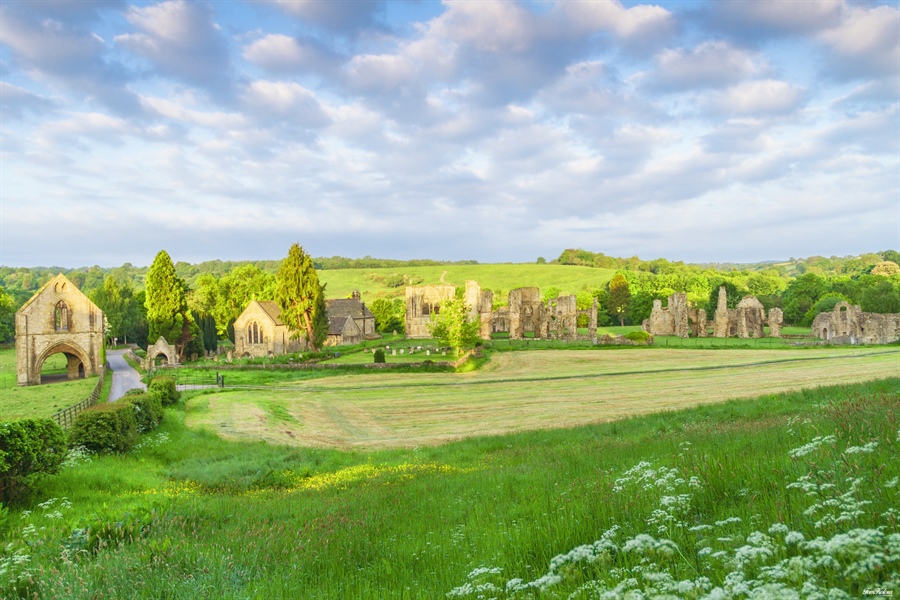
(124, 377)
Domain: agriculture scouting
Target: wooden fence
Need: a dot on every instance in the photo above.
(66, 416)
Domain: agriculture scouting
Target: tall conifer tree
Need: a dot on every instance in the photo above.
(301, 297)
(166, 302)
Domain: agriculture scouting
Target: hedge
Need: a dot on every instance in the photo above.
(107, 427)
(29, 448)
(148, 410)
(164, 387)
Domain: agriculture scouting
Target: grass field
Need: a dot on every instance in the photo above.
(519, 391)
(38, 400)
(755, 498)
(503, 278)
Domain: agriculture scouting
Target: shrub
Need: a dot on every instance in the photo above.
(108, 427)
(164, 387)
(641, 337)
(379, 355)
(148, 410)
(135, 392)
(29, 448)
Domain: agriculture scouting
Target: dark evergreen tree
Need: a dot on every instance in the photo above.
(301, 297)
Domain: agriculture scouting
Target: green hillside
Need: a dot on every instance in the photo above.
(373, 283)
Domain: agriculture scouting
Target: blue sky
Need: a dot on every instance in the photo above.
(487, 130)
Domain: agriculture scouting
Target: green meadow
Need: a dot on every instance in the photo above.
(39, 400)
(500, 278)
(745, 498)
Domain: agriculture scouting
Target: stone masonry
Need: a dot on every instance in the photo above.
(848, 324)
(58, 318)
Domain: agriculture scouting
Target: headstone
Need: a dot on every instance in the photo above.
(216, 358)
(428, 353)
(394, 352)
(193, 357)
(402, 350)
(443, 353)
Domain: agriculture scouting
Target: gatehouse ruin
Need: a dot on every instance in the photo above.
(59, 318)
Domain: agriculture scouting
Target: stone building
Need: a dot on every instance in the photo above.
(260, 332)
(848, 324)
(355, 309)
(421, 303)
(343, 330)
(747, 320)
(58, 319)
(671, 320)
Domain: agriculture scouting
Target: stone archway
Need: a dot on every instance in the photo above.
(58, 319)
(76, 359)
(160, 348)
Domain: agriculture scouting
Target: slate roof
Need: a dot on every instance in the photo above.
(336, 325)
(272, 310)
(348, 307)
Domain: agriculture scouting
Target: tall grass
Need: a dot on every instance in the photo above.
(711, 501)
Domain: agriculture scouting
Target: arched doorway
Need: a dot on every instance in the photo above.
(61, 362)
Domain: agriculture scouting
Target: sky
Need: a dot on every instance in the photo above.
(498, 131)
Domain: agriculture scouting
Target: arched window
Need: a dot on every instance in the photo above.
(61, 316)
(253, 333)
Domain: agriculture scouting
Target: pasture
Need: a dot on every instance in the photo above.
(38, 400)
(371, 283)
(783, 492)
(519, 391)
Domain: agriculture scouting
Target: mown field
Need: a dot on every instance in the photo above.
(760, 498)
(502, 277)
(518, 391)
(39, 400)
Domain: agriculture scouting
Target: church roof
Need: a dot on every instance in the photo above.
(272, 310)
(348, 307)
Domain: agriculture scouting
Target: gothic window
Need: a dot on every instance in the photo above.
(253, 333)
(61, 316)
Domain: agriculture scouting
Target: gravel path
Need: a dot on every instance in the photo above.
(124, 377)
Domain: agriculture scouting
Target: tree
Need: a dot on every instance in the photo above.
(883, 297)
(886, 268)
(619, 297)
(452, 326)
(7, 324)
(166, 302)
(301, 297)
(387, 318)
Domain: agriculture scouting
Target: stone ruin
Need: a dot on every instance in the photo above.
(421, 303)
(481, 307)
(848, 324)
(161, 348)
(747, 320)
(526, 313)
(59, 318)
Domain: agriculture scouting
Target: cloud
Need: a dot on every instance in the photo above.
(711, 64)
(66, 53)
(345, 18)
(866, 43)
(16, 101)
(764, 19)
(278, 53)
(284, 101)
(640, 28)
(764, 97)
(182, 40)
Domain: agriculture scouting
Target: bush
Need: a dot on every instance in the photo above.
(148, 410)
(164, 387)
(641, 337)
(379, 355)
(135, 392)
(29, 448)
(108, 427)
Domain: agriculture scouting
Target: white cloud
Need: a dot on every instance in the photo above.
(710, 64)
(765, 97)
(866, 42)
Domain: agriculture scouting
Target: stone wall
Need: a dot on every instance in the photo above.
(421, 303)
(525, 312)
(848, 324)
(672, 320)
(58, 319)
(481, 307)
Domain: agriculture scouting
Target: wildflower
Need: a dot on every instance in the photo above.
(868, 448)
(812, 446)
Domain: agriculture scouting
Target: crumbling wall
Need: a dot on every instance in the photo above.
(421, 303)
(560, 319)
(776, 319)
(672, 320)
(481, 307)
(525, 312)
(847, 324)
(750, 317)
